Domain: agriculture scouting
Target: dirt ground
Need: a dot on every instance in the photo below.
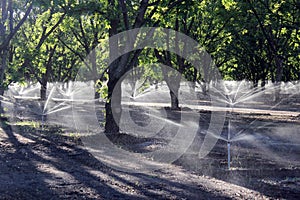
(51, 164)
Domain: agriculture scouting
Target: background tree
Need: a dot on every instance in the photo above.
(81, 34)
(10, 23)
(265, 45)
(125, 15)
(44, 41)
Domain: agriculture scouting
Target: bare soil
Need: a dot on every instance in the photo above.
(52, 164)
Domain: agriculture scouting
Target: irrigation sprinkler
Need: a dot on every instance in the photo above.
(228, 154)
(228, 140)
(236, 94)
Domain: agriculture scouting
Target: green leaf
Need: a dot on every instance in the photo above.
(229, 4)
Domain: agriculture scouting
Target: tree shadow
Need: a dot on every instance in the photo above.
(24, 177)
(39, 165)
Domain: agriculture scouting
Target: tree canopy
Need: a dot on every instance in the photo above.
(44, 41)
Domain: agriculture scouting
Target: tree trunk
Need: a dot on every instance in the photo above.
(255, 83)
(174, 100)
(3, 66)
(111, 119)
(1, 94)
(43, 91)
(278, 77)
(204, 87)
(263, 84)
(118, 68)
(113, 107)
(43, 82)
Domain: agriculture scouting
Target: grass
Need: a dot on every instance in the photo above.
(31, 126)
(29, 123)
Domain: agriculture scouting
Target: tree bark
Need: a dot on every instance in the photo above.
(278, 77)
(43, 91)
(174, 100)
(113, 107)
(1, 94)
(3, 66)
(46, 77)
(112, 125)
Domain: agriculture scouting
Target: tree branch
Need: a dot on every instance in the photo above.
(140, 18)
(15, 30)
(125, 13)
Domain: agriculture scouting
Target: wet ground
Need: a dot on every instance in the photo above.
(268, 161)
(53, 164)
(48, 165)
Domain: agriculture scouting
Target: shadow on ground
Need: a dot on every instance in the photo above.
(46, 165)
